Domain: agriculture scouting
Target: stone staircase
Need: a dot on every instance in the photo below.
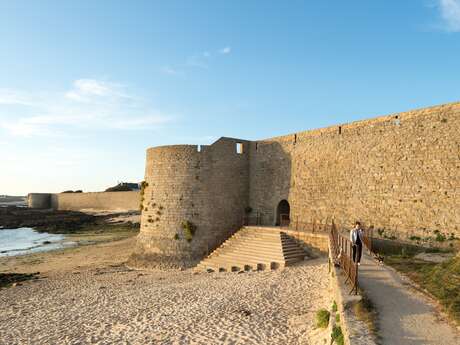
(253, 248)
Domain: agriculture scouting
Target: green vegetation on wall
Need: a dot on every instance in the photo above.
(189, 230)
(144, 185)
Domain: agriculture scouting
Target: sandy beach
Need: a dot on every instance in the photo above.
(87, 295)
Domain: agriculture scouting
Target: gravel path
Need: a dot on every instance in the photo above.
(113, 304)
(406, 317)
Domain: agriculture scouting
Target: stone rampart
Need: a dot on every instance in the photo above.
(399, 172)
(113, 201)
(206, 187)
(122, 201)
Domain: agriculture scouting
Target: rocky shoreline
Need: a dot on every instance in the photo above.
(58, 222)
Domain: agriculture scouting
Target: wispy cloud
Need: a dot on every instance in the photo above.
(225, 50)
(89, 104)
(171, 71)
(450, 14)
(87, 89)
(201, 60)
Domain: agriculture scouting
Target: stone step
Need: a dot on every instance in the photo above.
(227, 265)
(250, 248)
(260, 250)
(266, 251)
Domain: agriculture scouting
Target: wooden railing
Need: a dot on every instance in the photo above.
(342, 256)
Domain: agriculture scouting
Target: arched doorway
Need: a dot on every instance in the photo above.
(283, 211)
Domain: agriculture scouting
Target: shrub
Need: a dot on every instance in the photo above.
(176, 236)
(322, 318)
(119, 188)
(415, 238)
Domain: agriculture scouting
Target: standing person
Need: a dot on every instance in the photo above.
(356, 238)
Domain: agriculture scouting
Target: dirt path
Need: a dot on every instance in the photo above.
(406, 317)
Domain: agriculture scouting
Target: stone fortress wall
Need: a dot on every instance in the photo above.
(399, 172)
(207, 186)
(123, 201)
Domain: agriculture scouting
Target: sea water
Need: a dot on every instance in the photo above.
(27, 240)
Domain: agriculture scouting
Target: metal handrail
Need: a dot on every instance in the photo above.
(367, 238)
(342, 254)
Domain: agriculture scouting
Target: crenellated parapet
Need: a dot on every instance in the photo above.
(399, 173)
(194, 196)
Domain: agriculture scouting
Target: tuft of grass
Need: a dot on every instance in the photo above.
(322, 318)
(337, 335)
(334, 307)
(366, 312)
(440, 237)
(337, 318)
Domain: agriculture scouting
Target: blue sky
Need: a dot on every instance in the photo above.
(87, 86)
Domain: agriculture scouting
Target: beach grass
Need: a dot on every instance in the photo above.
(441, 280)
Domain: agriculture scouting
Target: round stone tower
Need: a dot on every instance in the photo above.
(193, 199)
(39, 200)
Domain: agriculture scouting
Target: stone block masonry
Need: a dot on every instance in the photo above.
(205, 187)
(399, 172)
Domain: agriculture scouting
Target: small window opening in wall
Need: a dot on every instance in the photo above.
(239, 148)
(340, 129)
(257, 146)
(199, 148)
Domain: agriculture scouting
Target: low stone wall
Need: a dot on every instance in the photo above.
(123, 201)
(355, 331)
